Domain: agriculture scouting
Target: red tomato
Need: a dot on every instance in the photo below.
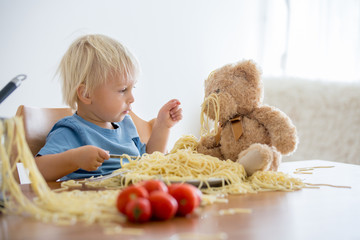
(138, 210)
(154, 185)
(163, 205)
(199, 195)
(172, 187)
(187, 197)
(175, 185)
(130, 193)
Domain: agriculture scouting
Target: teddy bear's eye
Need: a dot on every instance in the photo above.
(217, 91)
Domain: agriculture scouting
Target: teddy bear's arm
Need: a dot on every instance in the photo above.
(282, 132)
(209, 146)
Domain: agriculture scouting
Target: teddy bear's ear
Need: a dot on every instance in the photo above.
(248, 70)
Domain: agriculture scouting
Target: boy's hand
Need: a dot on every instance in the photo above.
(168, 116)
(89, 158)
(170, 113)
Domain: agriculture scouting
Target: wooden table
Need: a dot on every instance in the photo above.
(325, 213)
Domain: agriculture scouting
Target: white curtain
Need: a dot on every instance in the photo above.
(314, 39)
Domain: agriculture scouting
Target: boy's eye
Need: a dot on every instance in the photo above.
(125, 89)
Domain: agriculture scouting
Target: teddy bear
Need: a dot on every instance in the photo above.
(250, 133)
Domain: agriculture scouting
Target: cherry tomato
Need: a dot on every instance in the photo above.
(198, 192)
(199, 195)
(138, 210)
(173, 186)
(163, 205)
(130, 193)
(187, 196)
(154, 185)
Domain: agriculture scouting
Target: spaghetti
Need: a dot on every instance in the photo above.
(185, 164)
(232, 211)
(69, 207)
(188, 142)
(210, 101)
(63, 208)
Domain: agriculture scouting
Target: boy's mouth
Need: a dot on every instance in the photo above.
(127, 111)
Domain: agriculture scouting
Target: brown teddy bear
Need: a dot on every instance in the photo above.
(250, 133)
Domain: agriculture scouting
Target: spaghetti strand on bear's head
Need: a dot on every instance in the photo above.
(212, 101)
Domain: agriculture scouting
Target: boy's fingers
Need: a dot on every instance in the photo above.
(176, 114)
(173, 104)
(104, 155)
(175, 109)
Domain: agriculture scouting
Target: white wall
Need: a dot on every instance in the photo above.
(178, 43)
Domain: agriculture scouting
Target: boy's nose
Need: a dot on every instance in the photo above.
(131, 98)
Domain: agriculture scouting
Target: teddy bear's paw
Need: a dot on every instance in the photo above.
(215, 151)
(258, 157)
(208, 142)
(276, 161)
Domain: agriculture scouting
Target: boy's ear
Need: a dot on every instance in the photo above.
(83, 96)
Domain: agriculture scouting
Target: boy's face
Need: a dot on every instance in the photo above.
(112, 100)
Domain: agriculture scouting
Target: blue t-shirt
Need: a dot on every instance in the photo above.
(73, 131)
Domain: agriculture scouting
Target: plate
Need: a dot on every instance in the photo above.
(213, 182)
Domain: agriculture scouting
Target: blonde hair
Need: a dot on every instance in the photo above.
(90, 60)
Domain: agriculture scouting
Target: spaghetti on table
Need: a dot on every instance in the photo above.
(69, 207)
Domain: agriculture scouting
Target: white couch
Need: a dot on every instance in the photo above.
(326, 115)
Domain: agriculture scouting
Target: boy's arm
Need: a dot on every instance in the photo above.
(55, 166)
(158, 139)
(168, 116)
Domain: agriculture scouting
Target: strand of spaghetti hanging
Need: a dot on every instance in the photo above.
(62, 208)
(211, 103)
